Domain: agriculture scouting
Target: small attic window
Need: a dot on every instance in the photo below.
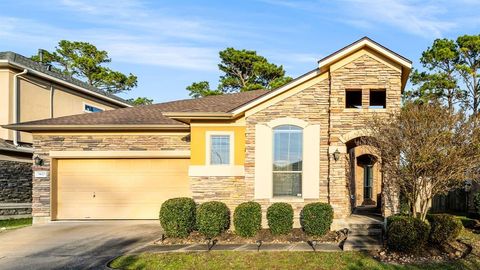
(378, 99)
(353, 98)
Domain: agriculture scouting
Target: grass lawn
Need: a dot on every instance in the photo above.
(15, 223)
(286, 260)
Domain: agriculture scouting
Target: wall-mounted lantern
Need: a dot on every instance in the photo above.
(38, 160)
(336, 155)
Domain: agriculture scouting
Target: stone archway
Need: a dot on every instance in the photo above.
(364, 174)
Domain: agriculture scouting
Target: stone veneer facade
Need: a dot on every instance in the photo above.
(312, 106)
(15, 188)
(98, 142)
(322, 104)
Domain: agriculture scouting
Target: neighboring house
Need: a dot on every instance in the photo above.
(30, 91)
(295, 144)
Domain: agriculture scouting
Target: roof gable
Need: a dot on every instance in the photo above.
(38, 69)
(358, 45)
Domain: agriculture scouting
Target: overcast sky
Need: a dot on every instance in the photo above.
(170, 44)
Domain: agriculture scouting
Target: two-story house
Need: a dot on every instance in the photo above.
(294, 144)
(31, 91)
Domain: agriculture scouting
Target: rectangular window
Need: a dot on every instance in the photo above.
(353, 98)
(378, 99)
(220, 149)
(367, 181)
(91, 108)
(287, 161)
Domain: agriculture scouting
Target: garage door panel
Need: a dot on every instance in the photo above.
(118, 188)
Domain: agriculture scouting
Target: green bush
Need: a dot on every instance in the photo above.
(247, 219)
(445, 228)
(476, 202)
(213, 218)
(177, 217)
(316, 218)
(407, 233)
(280, 218)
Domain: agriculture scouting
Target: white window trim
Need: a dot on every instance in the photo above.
(208, 135)
(89, 104)
(263, 182)
(283, 122)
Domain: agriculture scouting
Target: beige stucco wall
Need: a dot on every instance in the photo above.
(5, 102)
(34, 96)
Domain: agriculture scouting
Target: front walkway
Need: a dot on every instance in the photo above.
(158, 248)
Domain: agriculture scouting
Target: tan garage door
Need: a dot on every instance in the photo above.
(117, 188)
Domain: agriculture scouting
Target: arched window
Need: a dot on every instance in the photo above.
(287, 161)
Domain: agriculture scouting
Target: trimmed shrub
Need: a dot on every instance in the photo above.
(280, 218)
(247, 219)
(476, 202)
(213, 218)
(177, 217)
(407, 233)
(445, 228)
(316, 218)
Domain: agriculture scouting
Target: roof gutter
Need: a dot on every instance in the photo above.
(59, 81)
(186, 117)
(95, 127)
(19, 150)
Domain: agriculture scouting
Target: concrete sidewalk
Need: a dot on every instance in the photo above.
(158, 248)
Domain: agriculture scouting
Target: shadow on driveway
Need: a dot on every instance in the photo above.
(73, 245)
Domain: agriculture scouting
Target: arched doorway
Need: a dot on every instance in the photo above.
(365, 177)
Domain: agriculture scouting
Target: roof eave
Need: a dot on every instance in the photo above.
(357, 45)
(5, 62)
(186, 117)
(30, 128)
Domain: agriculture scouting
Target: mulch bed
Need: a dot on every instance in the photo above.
(429, 254)
(229, 237)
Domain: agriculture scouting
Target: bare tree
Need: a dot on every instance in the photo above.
(426, 150)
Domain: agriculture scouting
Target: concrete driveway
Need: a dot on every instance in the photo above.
(73, 245)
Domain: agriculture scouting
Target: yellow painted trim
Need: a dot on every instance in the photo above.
(350, 58)
(121, 154)
(199, 143)
(292, 91)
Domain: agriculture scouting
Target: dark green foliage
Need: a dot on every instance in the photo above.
(316, 218)
(177, 217)
(445, 228)
(213, 218)
(476, 202)
(247, 219)
(242, 70)
(84, 61)
(280, 218)
(140, 101)
(407, 234)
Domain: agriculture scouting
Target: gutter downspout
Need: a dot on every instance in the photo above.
(51, 100)
(16, 104)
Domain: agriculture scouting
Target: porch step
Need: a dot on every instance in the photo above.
(363, 242)
(366, 231)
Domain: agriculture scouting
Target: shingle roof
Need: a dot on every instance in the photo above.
(152, 114)
(27, 62)
(8, 146)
